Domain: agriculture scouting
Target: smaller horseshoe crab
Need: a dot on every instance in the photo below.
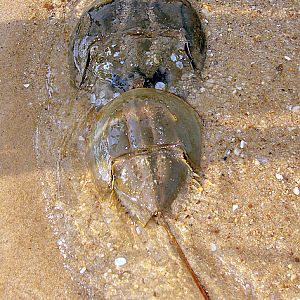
(119, 45)
(144, 146)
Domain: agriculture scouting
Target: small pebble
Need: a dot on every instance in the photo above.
(26, 85)
(243, 144)
(93, 98)
(107, 65)
(237, 151)
(60, 242)
(261, 160)
(202, 89)
(160, 85)
(81, 138)
(120, 261)
(116, 54)
(296, 191)
(213, 247)
(210, 82)
(279, 176)
(295, 108)
(227, 152)
(137, 229)
(179, 64)
(82, 270)
(173, 57)
(293, 277)
(234, 207)
(287, 58)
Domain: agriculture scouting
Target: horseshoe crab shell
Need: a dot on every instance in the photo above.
(144, 146)
(123, 44)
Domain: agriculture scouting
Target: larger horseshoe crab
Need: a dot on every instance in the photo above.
(119, 45)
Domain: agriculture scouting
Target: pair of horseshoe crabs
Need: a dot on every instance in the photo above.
(146, 142)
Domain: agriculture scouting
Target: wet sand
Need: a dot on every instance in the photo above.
(241, 233)
(31, 267)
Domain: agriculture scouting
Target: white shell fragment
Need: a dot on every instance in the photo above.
(279, 176)
(237, 151)
(234, 207)
(243, 144)
(107, 65)
(120, 261)
(160, 85)
(173, 57)
(138, 230)
(294, 108)
(213, 247)
(261, 160)
(179, 64)
(296, 191)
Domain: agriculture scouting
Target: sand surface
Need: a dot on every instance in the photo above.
(240, 230)
(31, 267)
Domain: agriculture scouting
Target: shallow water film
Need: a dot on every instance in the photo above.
(97, 235)
(239, 228)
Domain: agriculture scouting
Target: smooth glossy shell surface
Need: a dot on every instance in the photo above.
(141, 120)
(148, 183)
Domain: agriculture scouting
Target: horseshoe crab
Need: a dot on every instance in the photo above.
(119, 45)
(144, 146)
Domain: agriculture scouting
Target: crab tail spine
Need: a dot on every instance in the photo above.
(180, 252)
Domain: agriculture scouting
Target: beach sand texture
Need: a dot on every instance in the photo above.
(240, 230)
